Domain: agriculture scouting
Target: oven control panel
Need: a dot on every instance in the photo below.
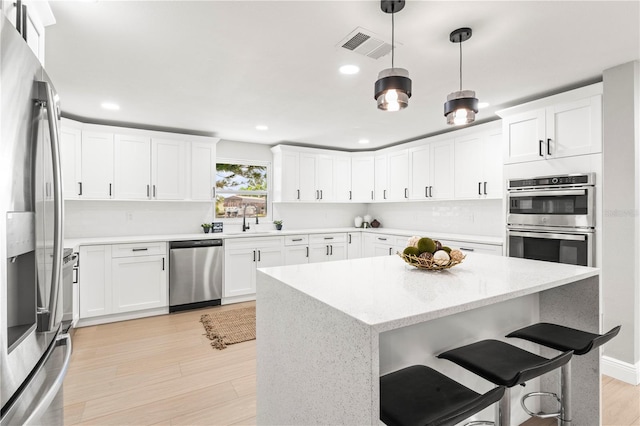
(562, 180)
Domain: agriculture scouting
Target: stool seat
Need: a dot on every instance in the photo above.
(419, 395)
(502, 363)
(563, 338)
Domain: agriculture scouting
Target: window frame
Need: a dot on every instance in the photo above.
(245, 162)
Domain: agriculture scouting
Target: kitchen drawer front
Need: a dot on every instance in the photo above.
(251, 242)
(470, 248)
(296, 240)
(328, 238)
(138, 249)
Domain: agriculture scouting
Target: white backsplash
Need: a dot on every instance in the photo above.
(122, 218)
(473, 217)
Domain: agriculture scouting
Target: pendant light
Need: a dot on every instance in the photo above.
(393, 87)
(461, 106)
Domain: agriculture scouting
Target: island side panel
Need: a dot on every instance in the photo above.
(315, 365)
(577, 305)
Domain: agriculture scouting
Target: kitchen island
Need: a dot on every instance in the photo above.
(327, 331)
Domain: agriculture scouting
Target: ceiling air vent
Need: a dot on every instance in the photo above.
(366, 43)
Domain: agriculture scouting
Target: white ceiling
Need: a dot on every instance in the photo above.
(222, 67)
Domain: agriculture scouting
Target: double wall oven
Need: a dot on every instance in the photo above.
(552, 218)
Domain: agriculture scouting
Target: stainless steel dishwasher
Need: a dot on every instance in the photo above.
(195, 274)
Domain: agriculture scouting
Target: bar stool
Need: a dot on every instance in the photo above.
(419, 396)
(503, 365)
(563, 339)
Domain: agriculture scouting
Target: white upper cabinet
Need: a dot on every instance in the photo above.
(478, 165)
(398, 175)
(38, 16)
(431, 168)
(380, 180)
(132, 167)
(310, 175)
(168, 169)
(97, 165)
(562, 125)
(362, 178)
(70, 153)
(203, 170)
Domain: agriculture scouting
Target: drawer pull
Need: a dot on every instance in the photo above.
(466, 249)
(328, 238)
(140, 249)
(297, 239)
(382, 239)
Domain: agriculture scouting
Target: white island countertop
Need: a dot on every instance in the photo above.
(386, 293)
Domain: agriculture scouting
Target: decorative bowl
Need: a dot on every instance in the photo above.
(427, 264)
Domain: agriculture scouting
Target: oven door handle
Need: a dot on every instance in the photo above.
(549, 193)
(526, 234)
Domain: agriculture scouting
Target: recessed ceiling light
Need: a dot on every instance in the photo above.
(483, 105)
(262, 127)
(349, 69)
(110, 105)
(363, 141)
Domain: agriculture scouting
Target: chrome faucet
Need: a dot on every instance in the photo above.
(245, 225)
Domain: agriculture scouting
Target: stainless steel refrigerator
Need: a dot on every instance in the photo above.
(34, 355)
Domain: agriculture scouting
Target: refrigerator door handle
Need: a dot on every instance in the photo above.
(56, 385)
(47, 101)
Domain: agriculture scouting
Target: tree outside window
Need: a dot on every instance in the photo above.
(241, 190)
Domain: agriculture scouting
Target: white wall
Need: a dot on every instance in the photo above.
(621, 199)
(473, 217)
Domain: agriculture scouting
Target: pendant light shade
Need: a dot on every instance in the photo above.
(461, 106)
(393, 87)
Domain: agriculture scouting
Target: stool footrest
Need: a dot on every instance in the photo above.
(541, 415)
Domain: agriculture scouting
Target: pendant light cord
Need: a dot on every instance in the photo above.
(460, 42)
(393, 32)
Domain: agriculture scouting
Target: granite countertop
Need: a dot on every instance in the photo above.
(76, 242)
(386, 293)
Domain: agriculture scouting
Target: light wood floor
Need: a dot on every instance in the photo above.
(162, 371)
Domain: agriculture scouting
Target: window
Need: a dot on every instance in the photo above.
(241, 189)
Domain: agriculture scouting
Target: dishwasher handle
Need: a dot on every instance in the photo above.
(195, 244)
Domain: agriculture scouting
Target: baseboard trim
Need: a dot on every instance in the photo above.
(621, 370)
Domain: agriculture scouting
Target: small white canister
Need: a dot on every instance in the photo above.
(358, 221)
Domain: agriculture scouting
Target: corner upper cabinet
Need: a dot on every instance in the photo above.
(203, 171)
(71, 161)
(562, 125)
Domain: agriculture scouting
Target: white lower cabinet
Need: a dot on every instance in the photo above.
(122, 278)
(242, 257)
(296, 249)
(354, 245)
(326, 247)
(467, 247)
(382, 244)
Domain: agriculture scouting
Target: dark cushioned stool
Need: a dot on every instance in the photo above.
(419, 395)
(563, 339)
(504, 365)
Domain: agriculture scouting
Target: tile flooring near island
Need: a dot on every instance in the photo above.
(163, 371)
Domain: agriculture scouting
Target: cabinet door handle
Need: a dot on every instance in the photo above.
(406, 193)
(154, 191)
(479, 185)
(140, 249)
(549, 146)
(372, 195)
(331, 250)
(426, 192)
(75, 275)
(540, 148)
(109, 190)
(258, 255)
(254, 255)
(327, 250)
(390, 251)
(298, 197)
(317, 194)
(384, 194)
(80, 186)
(213, 193)
(163, 263)
(307, 251)
(350, 196)
(321, 196)
(430, 189)
(19, 16)
(148, 191)
(349, 238)
(485, 188)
